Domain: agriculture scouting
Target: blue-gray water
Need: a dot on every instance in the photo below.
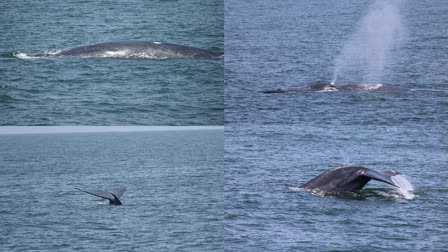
(173, 202)
(180, 195)
(276, 142)
(109, 91)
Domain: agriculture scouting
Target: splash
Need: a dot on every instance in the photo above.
(47, 53)
(21, 55)
(405, 187)
(364, 56)
(365, 86)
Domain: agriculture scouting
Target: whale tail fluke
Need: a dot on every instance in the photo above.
(349, 179)
(383, 176)
(112, 195)
(118, 191)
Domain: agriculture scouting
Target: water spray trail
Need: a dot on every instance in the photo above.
(364, 56)
(405, 187)
(333, 81)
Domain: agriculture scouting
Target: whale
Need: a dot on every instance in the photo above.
(348, 179)
(134, 49)
(327, 87)
(113, 195)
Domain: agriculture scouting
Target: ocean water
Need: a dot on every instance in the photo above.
(276, 142)
(186, 191)
(109, 91)
(173, 202)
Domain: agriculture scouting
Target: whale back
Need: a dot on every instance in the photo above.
(136, 49)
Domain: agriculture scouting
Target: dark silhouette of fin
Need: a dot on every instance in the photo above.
(112, 195)
(348, 179)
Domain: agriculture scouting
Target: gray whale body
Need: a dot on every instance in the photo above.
(135, 49)
(112, 195)
(327, 87)
(348, 179)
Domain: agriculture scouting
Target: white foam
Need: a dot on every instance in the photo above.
(52, 52)
(125, 53)
(405, 187)
(133, 54)
(328, 89)
(315, 192)
(366, 86)
(21, 55)
(296, 189)
(117, 54)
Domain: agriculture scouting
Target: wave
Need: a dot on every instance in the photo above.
(21, 55)
(404, 192)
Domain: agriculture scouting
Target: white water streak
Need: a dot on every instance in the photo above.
(21, 55)
(405, 187)
(364, 55)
